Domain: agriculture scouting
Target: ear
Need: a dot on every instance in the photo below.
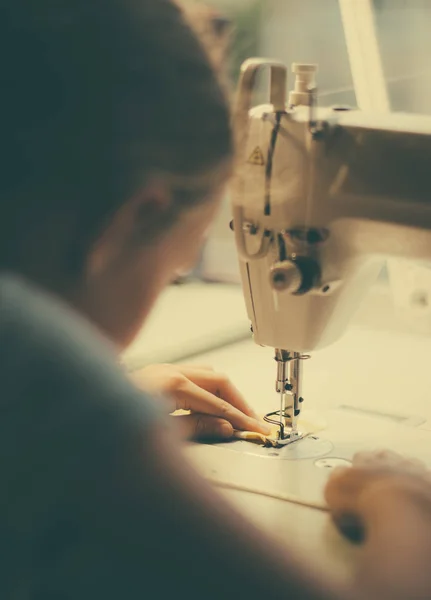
(127, 228)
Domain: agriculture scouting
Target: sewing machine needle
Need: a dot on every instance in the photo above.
(282, 398)
(294, 423)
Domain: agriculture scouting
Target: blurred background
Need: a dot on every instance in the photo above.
(312, 31)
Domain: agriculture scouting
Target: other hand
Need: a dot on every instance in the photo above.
(354, 494)
(216, 406)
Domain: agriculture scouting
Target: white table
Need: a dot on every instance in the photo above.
(377, 367)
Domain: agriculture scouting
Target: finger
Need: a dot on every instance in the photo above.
(340, 490)
(363, 458)
(417, 466)
(191, 396)
(337, 472)
(378, 457)
(336, 476)
(219, 385)
(389, 457)
(204, 427)
(188, 367)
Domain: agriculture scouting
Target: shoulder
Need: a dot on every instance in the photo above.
(71, 428)
(31, 318)
(53, 365)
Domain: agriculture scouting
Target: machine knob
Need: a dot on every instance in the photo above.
(286, 277)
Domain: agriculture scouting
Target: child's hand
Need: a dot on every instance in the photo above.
(216, 406)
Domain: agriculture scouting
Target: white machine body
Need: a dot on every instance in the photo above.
(321, 198)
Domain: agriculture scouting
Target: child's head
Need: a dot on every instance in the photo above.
(115, 146)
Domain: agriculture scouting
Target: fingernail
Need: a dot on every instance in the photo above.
(226, 430)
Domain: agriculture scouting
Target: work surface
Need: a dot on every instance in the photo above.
(371, 389)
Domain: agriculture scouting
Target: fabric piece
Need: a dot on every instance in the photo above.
(305, 426)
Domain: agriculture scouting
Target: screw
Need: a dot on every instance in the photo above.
(317, 135)
(250, 228)
(341, 108)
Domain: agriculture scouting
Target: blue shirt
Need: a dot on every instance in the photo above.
(69, 422)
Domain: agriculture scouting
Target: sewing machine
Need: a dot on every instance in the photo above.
(321, 197)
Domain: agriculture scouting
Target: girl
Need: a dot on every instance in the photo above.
(116, 149)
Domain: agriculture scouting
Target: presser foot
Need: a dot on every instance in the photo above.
(289, 438)
(286, 434)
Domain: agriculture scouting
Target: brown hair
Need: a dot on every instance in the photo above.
(97, 97)
(214, 30)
